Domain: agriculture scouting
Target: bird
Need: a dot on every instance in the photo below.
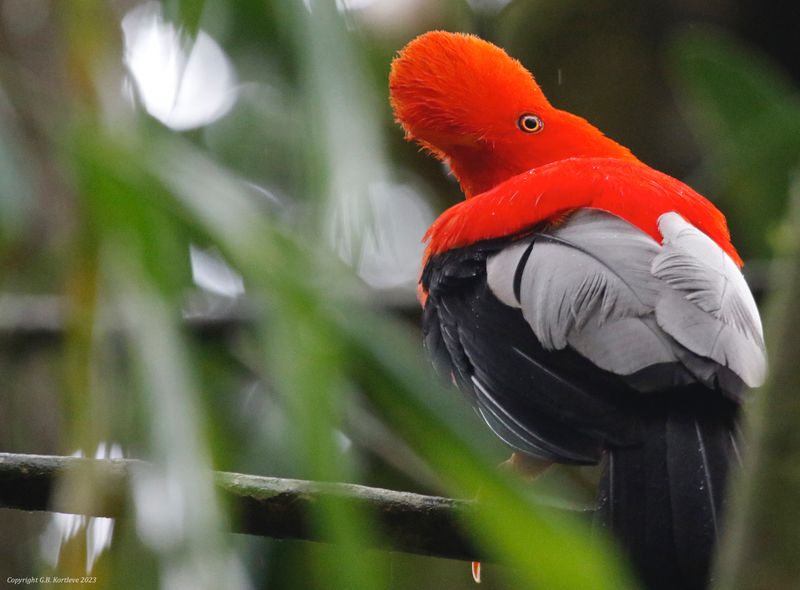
(591, 308)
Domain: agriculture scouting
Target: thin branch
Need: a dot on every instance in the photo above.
(264, 506)
(41, 318)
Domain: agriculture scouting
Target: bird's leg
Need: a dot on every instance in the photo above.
(529, 469)
(525, 465)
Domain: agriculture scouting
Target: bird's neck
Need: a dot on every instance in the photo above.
(476, 174)
(481, 168)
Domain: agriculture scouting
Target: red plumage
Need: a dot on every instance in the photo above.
(630, 190)
(513, 180)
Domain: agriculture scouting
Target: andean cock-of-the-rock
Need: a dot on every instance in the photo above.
(590, 307)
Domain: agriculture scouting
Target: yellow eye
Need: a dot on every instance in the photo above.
(530, 123)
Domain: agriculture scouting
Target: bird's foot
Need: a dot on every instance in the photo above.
(476, 571)
(525, 466)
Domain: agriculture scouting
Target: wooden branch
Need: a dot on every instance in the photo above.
(264, 506)
(42, 318)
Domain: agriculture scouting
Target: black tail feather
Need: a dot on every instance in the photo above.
(664, 499)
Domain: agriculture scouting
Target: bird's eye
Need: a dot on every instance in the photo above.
(530, 123)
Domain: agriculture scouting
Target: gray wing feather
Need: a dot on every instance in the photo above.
(501, 271)
(627, 303)
(588, 285)
(630, 345)
(709, 309)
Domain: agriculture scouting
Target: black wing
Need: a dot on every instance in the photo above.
(554, 405)
(564, 337)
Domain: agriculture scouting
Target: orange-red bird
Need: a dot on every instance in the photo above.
(590, 307)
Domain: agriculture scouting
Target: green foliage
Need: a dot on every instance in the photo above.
(286, 188)
(15, 181)
(186, 13)
(758, 550)
(143, 193)
(747, 116)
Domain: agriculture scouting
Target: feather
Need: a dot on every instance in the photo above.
(588, 285)
(664, 497)
(519, 436)
(709, 308)
(600, 286)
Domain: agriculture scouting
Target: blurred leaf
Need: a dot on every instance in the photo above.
(729, 82)
(146, 194)
(345, 152)
(747, 115)
(185, 13)
(16, 191)
(550, 551)
(123, 202)
(757, 550)
(314, 398)
(142, 247)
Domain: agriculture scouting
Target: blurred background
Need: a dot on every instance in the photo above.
(210, 232)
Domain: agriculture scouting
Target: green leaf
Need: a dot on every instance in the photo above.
(186, 14)
(747, 116)
(728, 84)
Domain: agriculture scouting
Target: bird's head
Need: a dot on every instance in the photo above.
(474, 106)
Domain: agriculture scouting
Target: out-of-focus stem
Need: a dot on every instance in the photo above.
(760, 544)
